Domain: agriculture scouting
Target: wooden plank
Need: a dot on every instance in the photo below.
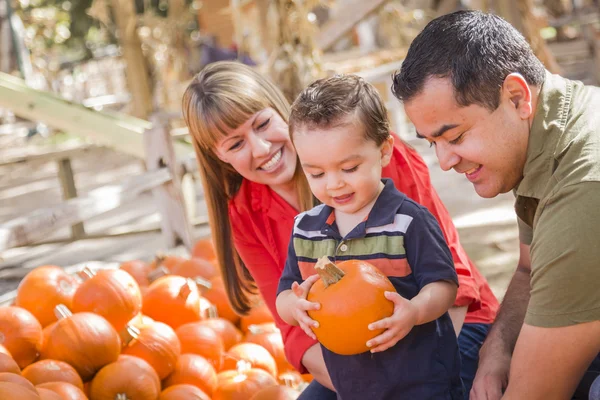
(351, 14)
(36, 225)
(42, 154)
(67, 183)
(168, 196)
(117, 131)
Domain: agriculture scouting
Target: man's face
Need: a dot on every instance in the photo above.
(490, 148)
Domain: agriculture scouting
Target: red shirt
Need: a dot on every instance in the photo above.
(262, 225)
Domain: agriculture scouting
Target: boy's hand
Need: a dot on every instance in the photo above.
(301, 305)
(397, 325)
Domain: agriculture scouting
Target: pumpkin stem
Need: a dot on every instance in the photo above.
(121, 396)
(159, 259)
(86, 273)
(203, 284)
(61, 311)
(157, 273)
(328, 271)
(242, 366)
(258, 329)
(129, 334)
(186, 289)
(212, 312)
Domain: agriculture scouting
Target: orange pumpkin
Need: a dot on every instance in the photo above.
(217, 295)
(112, 294)
(194, 370)
(202, 340)
(268, 336)
(195, 267)
(343, 326)
(162, 260)
(205, 248)
(18, 380)
(128, 378)
(292, 379)
(20, 334)
(183, 392)
(86, 341)
(259, 314)
(66, 390)
(228, 332)
(44, 288)
(173, 300)
(256, 355)
(7, 364)
(138, 270)
(276, 393)
(9, 390)
(242, 383)
(4, 351)
(52, 371)
(47, 394)
(155, 343)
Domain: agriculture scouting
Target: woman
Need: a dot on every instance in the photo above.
(254, 187)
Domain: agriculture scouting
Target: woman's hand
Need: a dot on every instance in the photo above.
(396, 326)
(300, 305)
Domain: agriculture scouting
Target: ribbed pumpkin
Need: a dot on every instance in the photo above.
(44, 371)
(228, 332)
(65, 390)
(155, 343)
(276, 393)
(343, 325)
(268, 336)
(44, 288)
(112, 294)
(218, 296)
(18, 380)
(242, 383)
(173, 300)
(195, 267)
(205, 248)
(7, 364)
(194, 370)
(167, 261)
(259, 314)
(20, 334)
(202, 340)
(127, 378)
(86, 341)
(256, 355)
(292, 379)
(139, 270)
(9, 390)
(183, 392)
(4, 351)
(47, 394)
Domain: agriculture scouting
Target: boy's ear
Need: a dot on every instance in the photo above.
(516, 90)
(387, 148)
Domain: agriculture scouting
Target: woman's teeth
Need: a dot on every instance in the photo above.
(272, 162)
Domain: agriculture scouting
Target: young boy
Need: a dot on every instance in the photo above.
(340, 130)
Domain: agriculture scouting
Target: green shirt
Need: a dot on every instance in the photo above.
(558, 205)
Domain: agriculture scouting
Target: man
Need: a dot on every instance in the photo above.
(473, 88)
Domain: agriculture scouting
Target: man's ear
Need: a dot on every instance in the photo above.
(387, 148)
(516, 90)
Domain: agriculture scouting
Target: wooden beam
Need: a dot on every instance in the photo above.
(120, 132)
(38, 224)
(347, 17)
(67, 183)
(42, 154)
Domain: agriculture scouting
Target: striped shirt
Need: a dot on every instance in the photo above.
(403, 240)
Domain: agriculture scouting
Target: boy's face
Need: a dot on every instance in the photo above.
(343, 168)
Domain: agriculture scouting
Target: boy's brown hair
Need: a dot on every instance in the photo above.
(330, 101)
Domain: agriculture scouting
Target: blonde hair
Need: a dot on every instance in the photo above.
(219, 99)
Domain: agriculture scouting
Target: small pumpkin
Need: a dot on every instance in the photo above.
(259, 314)
(44, 288)
(86, 341)
(10, 390)
(173, 300)
(183, 392)
(167, 261)
(195, 267)
(242, 383)
(193, 370)
(44, 371)
(20, 334)
(205, 248)
(202, 340)
(47, 394)
(18, 380)
(112, 294)
(343, 325)
(228, 332)
(217, 295)
(155, 343)
(139, 270)
(276, 393)
(268, 336)
(7, 364)
(4, 351)
(127, 378)
(66, 390)
(256, 355)
(292, 379)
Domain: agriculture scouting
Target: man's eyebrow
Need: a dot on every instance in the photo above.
(439, 132)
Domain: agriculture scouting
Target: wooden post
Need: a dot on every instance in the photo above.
(168, 197)
(6, 47)
(136, 70)
(67, 182)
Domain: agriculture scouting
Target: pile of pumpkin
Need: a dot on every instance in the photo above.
(145, 331)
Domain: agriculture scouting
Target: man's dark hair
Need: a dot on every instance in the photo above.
(475, 50)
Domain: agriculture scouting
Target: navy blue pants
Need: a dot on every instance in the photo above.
(470, 339)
